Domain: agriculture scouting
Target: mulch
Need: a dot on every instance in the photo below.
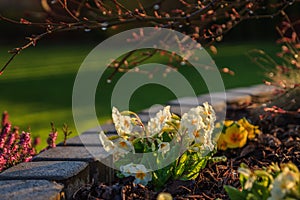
(276, 144)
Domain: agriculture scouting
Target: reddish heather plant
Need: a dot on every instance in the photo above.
(14, 148)
(52, 137)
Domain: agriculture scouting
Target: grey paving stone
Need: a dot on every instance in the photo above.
(73, 153)
(49, 170)
(230, 98)
(180, 110)
(145, 117)
(189, 102)
(261, 90)
(96, 156)
(259, 93)
(213, 98)
(185, 101)
(72, 175)
(152, 110)
(85, 139)
(108, 127)
(30, 189)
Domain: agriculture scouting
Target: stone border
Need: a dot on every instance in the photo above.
(57, 173)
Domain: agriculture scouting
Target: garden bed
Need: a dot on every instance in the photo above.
(279, 143)
(91, 179)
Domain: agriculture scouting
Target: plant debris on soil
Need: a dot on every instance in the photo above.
(275, 145)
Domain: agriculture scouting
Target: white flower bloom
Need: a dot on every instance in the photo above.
(192, 122)
(126, 170)
(123, 124)
(156, 124)
(118, 149)
(199, 125)
(164, 147)
(282, 184)
(106, 143)
(124, 145)
(139, 171)
(209, 118)
(250, 177)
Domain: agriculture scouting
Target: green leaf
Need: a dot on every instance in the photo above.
(235, 194)
(218, 159)
(193, 172)
(113, 137)
(252, 197)
(138, 146)
(166, 137)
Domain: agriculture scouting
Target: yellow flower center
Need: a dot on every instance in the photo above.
(236, 137)
(194, 121)
(196, 134)
(161, 120)
(126, 123)
(123, 144)
(140, 175)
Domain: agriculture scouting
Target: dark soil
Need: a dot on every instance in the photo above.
(276, 144)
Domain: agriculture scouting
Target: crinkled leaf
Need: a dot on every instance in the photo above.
(234, 193)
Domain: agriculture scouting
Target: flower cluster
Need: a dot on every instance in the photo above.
(14, 147)
(235, 134)
(272, 183)
(189, 138)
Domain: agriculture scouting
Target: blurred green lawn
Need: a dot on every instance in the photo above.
(37, 86)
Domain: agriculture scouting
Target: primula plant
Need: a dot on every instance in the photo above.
(235, 133)
(179, 147)
(272, 183)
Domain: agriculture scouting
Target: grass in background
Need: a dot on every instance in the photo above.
(37, 87)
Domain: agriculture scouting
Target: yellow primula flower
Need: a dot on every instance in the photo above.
(236, 133)
(228, 123)
(235, 136)
(164, 196)
(221, 145)
(251, 129)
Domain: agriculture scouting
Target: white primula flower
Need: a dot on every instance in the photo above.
(250, 177)
(198, 123)
(283, 183)
(106, 143)
(192, 122)
(123, 124)
(124, 145)
(118, 149)
(139, 171)
(209, 118)
(156, 124)
(164, 147)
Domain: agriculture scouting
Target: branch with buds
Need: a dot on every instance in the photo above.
(205, 21)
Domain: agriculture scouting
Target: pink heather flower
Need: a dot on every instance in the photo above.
(14, 148)
(2, 162)
(25, 146)
(52, 139)
(28, 159)
(5, 131)
(10, 141)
